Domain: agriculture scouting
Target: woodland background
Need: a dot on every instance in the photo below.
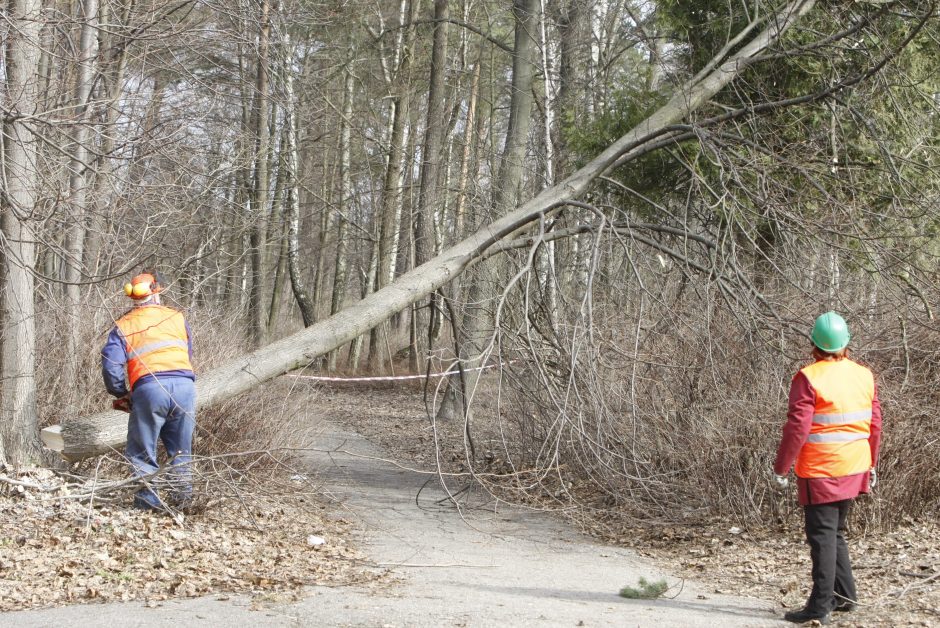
(278, 160)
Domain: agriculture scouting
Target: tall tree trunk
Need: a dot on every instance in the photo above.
(297, 282)
(545, 262)
(258, 199)
(326, 229)
(345, 199)
(466, 157)
(392, 189)
(428, 190)
(573, 63)
(78, 187)
(277, 231)
(113, 85)
(479, 323)
(19, 421)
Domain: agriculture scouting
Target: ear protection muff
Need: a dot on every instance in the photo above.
(143, 285)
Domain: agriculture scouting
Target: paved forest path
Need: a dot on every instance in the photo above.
(478, 568)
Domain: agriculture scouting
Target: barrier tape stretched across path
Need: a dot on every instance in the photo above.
(325, 378)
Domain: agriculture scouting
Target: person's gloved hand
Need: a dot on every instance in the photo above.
(122, 403)
(780, 481)
(872, 478)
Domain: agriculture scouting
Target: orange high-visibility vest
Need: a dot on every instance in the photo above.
(837, 445)
(156, 341)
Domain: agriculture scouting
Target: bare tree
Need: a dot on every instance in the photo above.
(19, 421)
(258, 196)
(78, 181)
(391, 210)
(345, 200)
(428, 189)
(479, 322)
(298, 285)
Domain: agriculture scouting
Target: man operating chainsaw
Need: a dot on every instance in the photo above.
(147, 365)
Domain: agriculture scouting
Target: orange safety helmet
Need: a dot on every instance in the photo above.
(143, 286)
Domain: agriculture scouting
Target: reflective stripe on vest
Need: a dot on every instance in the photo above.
(845, 417)
(156, 341)
(837, 444)
(835, 437)
(153, 346)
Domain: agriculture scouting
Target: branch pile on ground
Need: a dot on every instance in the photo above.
(263, 539)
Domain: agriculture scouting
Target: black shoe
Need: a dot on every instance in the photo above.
(804, 615)
(142, 504)
(845, 606)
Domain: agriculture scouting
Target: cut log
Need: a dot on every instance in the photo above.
(96, 434)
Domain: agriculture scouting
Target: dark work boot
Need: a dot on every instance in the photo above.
(805, 615)
(142, 503)
(845, 606)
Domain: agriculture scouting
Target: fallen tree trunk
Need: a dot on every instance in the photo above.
(96, 434)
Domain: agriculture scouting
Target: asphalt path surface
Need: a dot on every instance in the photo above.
(483, 564)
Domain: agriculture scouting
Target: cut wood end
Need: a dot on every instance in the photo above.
(52, 437)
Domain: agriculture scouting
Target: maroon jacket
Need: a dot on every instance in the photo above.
(802, 406)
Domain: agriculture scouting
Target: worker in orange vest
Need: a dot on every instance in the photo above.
(147, 365)
(832, 433)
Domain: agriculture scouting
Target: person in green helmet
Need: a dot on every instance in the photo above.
(831, 438)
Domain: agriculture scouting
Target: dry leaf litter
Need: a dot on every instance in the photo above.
(55, 550)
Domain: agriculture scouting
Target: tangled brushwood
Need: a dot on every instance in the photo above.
(661, 390)
(672, 410)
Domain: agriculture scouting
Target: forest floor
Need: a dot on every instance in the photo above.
(274, 555)
(55, 550)
(897, 572)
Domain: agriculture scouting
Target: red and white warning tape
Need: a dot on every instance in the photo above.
(324, 378)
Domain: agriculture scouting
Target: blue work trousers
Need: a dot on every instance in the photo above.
(162, 408)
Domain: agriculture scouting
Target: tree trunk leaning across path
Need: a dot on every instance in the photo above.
(88, 436)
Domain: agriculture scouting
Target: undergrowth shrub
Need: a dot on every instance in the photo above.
(667, 405)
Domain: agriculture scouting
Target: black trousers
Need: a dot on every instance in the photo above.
(832, 570)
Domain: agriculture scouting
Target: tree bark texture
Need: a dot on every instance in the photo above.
(478, 320)
(78, 184)
(297, 281)
(259, 192)
(431, 155)
(392, 188)
(19, 423)
(345, 197)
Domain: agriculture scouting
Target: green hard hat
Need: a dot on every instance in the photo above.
(830, 333)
